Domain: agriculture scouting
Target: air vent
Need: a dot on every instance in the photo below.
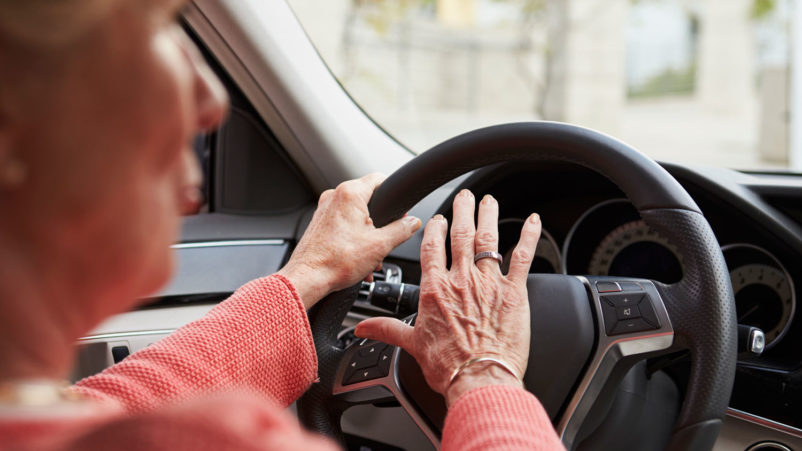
(389, 273)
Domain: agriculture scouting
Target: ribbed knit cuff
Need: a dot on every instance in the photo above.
(292, 333)
(306, 333)
(498, 417)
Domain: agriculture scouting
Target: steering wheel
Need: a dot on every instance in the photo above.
(577, 322)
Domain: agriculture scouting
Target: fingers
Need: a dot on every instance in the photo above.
(388, 330)
(524, 253)
(325, 197)
(433, 246)
(398, 231)
(373, 180)
(463, 229)
(364, 187)
(487, 233)
(358, 190)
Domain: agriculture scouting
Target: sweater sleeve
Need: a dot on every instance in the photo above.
(235, 421)
(498, 417)
(258, 340)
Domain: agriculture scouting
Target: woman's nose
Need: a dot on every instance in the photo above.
(211, 98)
(210, 95)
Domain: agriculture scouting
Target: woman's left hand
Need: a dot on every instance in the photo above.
(470, 310)
(341, 246)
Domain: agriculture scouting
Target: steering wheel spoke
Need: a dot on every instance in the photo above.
(632, 324)
(364, 375)
(369, 374)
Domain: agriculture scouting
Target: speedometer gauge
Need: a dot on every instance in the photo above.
(611, 239)
(636, 250)
(764, 291)
(547, 256)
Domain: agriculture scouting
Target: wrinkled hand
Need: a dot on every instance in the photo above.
(341, 246)
(471, 310)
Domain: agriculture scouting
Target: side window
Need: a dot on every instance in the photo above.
(245, 168)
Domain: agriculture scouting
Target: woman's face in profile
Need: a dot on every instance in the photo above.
(105, 127)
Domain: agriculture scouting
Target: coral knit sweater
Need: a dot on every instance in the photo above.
(222, 382)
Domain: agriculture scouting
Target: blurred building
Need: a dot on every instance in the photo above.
(694, 81)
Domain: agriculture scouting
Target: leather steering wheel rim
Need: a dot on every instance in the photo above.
(701, 306)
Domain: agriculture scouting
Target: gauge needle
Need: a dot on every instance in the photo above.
(751, 310)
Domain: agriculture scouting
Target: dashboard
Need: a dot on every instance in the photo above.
(590, 228)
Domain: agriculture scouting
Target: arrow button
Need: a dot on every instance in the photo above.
(363, 375)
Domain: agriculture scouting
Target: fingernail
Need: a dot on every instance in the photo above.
(438, 217)
(534, 218)
(487, 199)
(412, 221)
(466, 193)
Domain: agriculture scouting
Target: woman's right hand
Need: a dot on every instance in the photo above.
(471, 310)
(341, 246)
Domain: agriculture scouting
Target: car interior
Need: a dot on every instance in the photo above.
(293, 131)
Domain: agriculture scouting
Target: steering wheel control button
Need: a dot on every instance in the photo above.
(359, 361)
(625, 313)
(630, 326)
(369, 360)
(628, 312)
(630, 286)
(384, 360)
(607, 287)
(610, 317)
(372, 350)
(356, 364)
(365, 374)
(647, 312)
(623, 300)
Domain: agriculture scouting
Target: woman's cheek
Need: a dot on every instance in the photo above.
(161, 231)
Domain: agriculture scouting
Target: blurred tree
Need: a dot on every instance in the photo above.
(762, 8)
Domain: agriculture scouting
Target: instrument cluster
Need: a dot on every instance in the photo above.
(610, 239)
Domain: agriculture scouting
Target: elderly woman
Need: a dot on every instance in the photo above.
(99, 100)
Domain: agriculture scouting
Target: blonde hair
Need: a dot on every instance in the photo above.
(48, 23)
(36, 37)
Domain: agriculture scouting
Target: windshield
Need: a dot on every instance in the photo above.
(693, 82)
